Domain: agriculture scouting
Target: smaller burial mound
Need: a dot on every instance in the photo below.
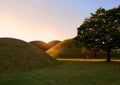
(40, 44)
(18, 55)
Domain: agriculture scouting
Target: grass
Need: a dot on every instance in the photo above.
(64, 49)
(67, 73)
(45, 46)
(53, 43)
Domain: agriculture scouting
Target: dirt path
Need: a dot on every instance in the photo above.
(90, 60)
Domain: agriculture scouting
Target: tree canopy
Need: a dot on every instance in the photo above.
(101, 30)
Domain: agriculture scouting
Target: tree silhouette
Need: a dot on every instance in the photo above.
(101, 30)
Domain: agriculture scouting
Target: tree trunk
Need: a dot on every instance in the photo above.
(95, 55)
(108, 56)
(95, 52)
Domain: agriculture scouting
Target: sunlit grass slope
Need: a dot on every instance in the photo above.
(53, 43)
(40, 44)
(68, 73)
(68, 49)
(18, 55)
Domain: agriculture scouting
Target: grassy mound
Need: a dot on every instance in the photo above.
(68, 49)
(45, 46)
(40, 44)
(53, 43)
(17, 55)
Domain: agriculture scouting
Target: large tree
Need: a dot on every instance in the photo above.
(101, 30)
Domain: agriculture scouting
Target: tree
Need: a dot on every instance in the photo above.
(101, 30)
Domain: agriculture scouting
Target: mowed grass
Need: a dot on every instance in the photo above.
(68, 73)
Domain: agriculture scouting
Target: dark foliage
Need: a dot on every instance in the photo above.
(101, 30)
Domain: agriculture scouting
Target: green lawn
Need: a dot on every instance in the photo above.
(67, 73)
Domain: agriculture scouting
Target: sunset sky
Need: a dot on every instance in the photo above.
(46, 20)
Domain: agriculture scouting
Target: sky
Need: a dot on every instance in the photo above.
(46, 20)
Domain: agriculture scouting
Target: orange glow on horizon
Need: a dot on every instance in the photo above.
(17, 27)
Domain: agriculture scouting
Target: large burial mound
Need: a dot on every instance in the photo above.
(40, 44)
(17, 55)
(68, 49)
(53, 43)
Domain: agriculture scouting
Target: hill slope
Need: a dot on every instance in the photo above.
(40, 44)
(45, 46)
(17, 55)
(53, 43)
(67, 49)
